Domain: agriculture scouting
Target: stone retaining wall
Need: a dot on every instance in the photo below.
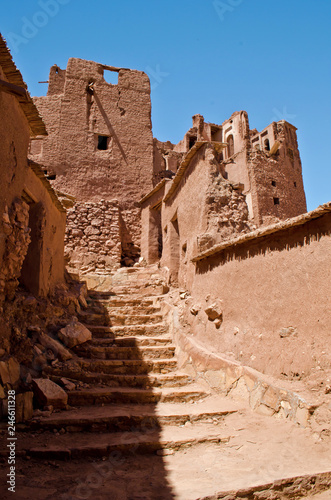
(93, 235)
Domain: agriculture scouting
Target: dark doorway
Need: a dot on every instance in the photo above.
(155, 234)
(31, 274)
(174, 250)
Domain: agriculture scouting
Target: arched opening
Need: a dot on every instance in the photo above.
(266, 145)
(230, 143)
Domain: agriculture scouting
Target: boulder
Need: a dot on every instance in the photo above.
(58, 349)
(214, 311)
(74, 334)
(49, 393)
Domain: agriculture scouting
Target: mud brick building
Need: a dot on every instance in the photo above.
(99, 147)
(226, 179)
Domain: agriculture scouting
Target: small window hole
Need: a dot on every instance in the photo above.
(103, 142)
(276, 201)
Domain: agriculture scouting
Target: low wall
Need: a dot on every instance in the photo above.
(264, 394)
(274, 288)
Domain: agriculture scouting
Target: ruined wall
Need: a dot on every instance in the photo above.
(266, 165)
(273, 291)
(276, 171)
(99, 142)
(204, 209)
(15, 226)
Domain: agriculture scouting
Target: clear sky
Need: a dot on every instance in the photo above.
(213, 57)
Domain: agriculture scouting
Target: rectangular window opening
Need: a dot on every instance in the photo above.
(276, 201)
(273, 183)
(103, 141)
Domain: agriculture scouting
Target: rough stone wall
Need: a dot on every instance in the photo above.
(227, 211)
(81, 107)
(272, 292)
(15, 227)
(93, 236)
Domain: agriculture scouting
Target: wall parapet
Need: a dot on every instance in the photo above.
(265, 231)
(263, 394)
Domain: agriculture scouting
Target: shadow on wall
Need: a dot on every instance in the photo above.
(297, 236)
(131, 467)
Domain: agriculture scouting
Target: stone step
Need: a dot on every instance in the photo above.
(96, 308)
(93, 318)
(126, 366)
(174, 379)
(115, 352)
(139, 290)
(132, 417)
(101, 331)
(132, 310)
(134, 319)
(131, 341)
(115, 301)
(69, 446)
(125, 395)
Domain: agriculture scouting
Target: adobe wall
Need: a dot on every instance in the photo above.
(51, 233)
(274, 294)
(20, 186)
(151, 243)
(81, 107)
(202, 210)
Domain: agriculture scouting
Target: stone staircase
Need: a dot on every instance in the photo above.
(130, 406)
(126, 379)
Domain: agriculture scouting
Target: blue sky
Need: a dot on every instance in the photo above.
(268, 57)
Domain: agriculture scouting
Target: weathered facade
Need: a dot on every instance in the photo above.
(219, 181)
(99, 146)
(32, 218)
